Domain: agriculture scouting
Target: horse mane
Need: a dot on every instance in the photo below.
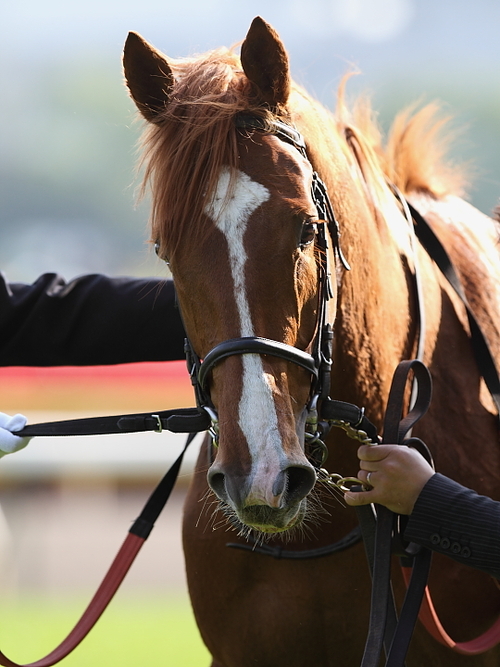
(496, 214)
(415, 155)
(195, 136)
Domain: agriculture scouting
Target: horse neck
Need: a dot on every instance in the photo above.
(373, 324)
(373, 327)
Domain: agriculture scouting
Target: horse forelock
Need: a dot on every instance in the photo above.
(194, 139)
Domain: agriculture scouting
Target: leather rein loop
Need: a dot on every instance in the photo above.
(384, 628)
(482, 353)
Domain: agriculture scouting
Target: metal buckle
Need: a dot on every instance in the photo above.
(214, 426)
(159, 425)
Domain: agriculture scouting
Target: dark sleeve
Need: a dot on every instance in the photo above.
(92, 320)
(456, 521)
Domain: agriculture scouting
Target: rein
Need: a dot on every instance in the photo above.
(377, 529)
(384, 628)
(179, 420)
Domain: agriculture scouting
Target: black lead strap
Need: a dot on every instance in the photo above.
(145, 522)
(437, 252)
(382, 619)
(179, 420)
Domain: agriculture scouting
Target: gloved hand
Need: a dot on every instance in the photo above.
(8, 441)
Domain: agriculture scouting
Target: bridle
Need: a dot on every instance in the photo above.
(319, 362)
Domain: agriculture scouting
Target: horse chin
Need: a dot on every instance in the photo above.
(270, 520)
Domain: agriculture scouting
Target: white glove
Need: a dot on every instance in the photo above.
(8, 441)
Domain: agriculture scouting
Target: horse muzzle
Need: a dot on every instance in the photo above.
(264, 500)
(265, 483)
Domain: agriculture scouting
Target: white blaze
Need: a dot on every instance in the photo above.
(231, 210)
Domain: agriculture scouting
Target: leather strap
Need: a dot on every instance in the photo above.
(484, 358)
(432, 624)
(254, 345)
(180, 420)
(284, 131)
(411, 607)
(95, 609)
(279, 553)
(382, 627)
(395, 429)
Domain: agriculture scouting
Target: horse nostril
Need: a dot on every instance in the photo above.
(290, 486)
(300, 480)
(217, 483)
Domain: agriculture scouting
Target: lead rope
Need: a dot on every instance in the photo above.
(381, 614)
(432, 624)
(138, 534)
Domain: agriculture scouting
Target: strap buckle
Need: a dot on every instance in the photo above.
(159, 425)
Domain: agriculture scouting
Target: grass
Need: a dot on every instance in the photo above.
(144, 631)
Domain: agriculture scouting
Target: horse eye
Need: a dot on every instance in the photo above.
(309, 230)
(157, 251)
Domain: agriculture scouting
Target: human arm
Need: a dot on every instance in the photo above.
(456, 521)
(92, 320)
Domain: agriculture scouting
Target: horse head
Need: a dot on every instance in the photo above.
(234, 215)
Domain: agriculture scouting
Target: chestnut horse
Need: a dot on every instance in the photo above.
(234, 216)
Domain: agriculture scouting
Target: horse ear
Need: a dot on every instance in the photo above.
(148, 76)
(265, 62)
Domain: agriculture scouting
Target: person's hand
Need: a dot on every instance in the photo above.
(9, 442)
(395, 474)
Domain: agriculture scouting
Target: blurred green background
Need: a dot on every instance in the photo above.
(132, 632)
(142, 630)
(67, 129)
